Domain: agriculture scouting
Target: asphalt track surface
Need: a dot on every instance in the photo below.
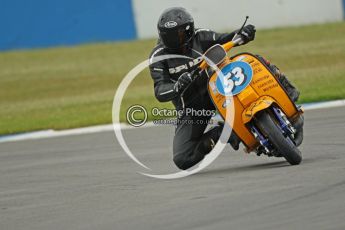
(87, 182)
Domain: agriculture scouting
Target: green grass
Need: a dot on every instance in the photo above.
(68, 87)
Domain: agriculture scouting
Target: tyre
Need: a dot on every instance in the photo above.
(282, 144)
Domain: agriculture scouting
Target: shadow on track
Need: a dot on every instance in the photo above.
(247, 168)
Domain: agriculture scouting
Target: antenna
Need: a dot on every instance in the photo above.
(243, 25)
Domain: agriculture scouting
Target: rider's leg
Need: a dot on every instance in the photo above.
(290, 89)
(191, 144)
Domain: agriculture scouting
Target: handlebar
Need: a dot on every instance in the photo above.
(227, 46)
(237, 40)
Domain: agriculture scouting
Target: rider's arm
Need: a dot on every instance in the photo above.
(163, 85)
(222, 38)
(247, 34)
(209, 37)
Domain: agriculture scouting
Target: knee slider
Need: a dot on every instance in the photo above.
(180, 162)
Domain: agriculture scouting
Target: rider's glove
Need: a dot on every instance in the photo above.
(183, 82)
(248, 33)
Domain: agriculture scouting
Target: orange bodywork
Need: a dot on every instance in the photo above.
(263, 91)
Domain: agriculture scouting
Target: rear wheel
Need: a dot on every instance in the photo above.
(283, 145)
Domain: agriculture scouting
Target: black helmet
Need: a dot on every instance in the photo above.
(175, 28)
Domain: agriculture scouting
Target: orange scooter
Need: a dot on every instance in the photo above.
(263, 112)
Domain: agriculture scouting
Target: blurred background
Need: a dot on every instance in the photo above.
(41, 23)
(61, 61)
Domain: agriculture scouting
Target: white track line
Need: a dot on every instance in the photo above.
(324, 105)
(107, 128)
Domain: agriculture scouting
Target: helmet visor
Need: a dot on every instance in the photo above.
(177, 37)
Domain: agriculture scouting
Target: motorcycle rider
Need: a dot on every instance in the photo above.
(173, 82)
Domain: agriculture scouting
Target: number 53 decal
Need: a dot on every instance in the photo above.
(235, 77)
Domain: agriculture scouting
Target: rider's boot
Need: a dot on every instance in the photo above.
(298, 125)
(208, 141)
(210, 138)
(234, 140)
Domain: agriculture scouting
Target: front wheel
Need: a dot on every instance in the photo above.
(283, 145)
